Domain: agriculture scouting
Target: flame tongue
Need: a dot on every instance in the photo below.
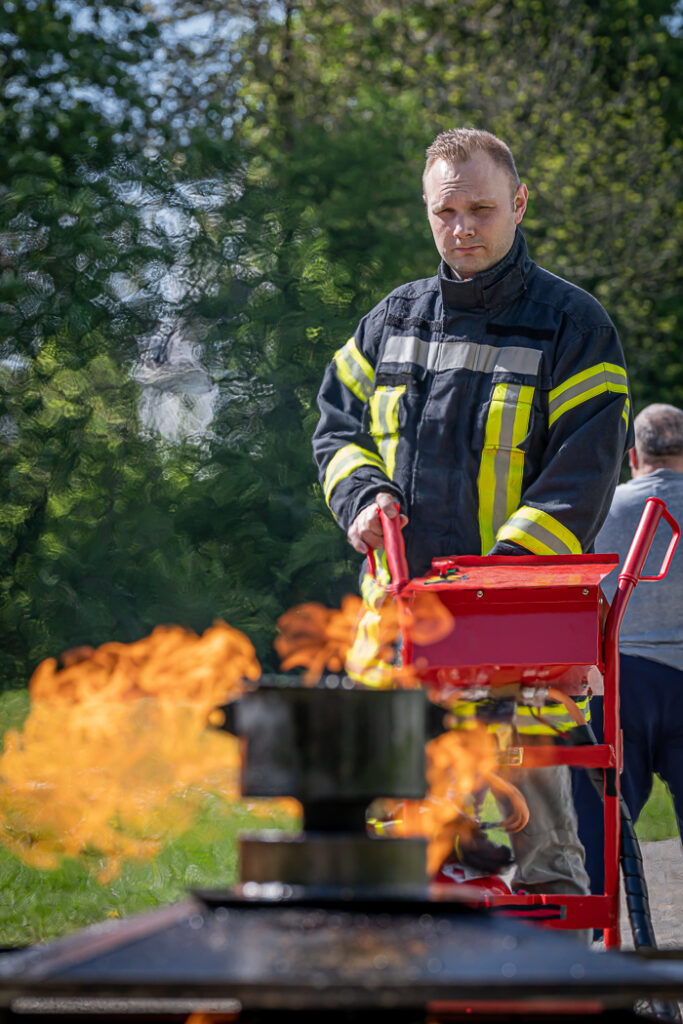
(462, 765)
(115, 757)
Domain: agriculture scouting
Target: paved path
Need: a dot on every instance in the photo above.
(664, 875)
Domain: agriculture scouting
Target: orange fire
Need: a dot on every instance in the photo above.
(316, 638)
(115, 755)
(363, 641)
(358, 639)
(460, 765)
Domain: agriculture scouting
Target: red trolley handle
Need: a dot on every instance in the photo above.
(654, 511)
(630, 574)
(395, 549)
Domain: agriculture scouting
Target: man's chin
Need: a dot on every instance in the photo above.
(467, 264)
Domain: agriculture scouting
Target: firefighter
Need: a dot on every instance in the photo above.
(491, 403)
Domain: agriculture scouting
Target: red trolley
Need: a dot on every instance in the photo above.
(539, 621)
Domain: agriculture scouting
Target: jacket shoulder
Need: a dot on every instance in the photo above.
(406, 295)
(412, 303)
(579, 307)
(415, 289)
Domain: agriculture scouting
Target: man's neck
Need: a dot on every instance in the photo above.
(645, 468)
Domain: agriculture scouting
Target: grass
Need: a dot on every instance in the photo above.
(658, 820)
(39, 905)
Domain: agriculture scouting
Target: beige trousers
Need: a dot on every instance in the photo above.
(548, 854)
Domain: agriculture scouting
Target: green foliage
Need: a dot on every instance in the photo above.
(73, 256)
(363, 89)
(330, 111)
(254, 190)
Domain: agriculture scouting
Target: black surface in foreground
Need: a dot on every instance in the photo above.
(283, 957)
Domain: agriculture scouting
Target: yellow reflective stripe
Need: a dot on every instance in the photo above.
(465, 713)
(596, 380)
(384, 827)
(363, 662)
(344, 462)
(502, 461)
(627, 406)
(463, 709)
(384, 409)
(373, 589)
(555, 713)
(539, 729)
(486, 482)
(354, 370)
(540, 533)
(520, 430)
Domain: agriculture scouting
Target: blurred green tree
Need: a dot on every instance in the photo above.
(329, 107)
(78, 266)
(245, 177)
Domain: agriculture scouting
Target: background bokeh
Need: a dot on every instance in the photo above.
(198, 201)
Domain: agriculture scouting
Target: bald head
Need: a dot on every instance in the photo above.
(659, 440)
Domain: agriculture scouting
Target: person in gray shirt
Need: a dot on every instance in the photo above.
(651, 641)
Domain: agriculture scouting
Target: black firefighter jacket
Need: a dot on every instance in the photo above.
(496, 410)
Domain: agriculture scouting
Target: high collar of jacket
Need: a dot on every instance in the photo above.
(494, 287)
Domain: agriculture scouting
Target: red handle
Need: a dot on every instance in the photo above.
(633, 566)
(653, 512)
(395, 549)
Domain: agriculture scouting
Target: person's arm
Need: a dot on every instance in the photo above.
(589, 429)
(351, 471)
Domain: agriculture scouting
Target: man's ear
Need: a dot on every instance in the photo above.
(633, 460)
(519, 202)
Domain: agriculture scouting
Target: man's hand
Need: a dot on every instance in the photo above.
(366, 530)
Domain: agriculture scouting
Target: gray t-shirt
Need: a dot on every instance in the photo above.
(653, 624)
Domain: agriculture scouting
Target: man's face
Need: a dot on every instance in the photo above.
(473, 210)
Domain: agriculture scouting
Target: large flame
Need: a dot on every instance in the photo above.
(462, 765)
(314, 637)
(361, 640)
(115, 755)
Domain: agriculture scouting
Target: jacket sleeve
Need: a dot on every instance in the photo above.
(588, 429)
(351, 470)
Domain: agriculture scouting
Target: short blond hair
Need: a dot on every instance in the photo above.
(459, 144)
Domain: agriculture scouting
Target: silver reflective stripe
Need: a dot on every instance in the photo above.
(460, 355)
(540, 533)
(587, 385)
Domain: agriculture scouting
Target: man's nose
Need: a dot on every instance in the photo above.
(463, 226)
